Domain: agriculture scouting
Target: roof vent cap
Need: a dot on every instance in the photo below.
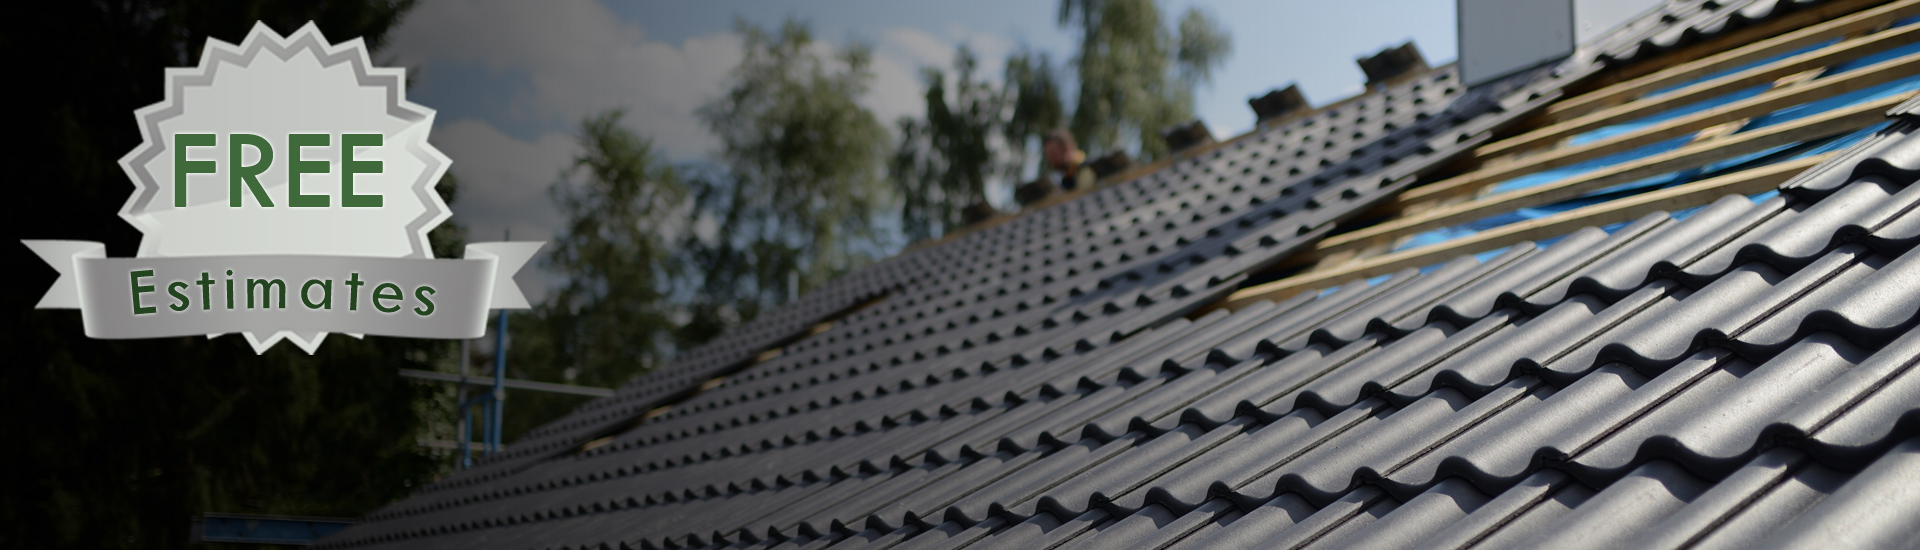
(1392, 63)
(1278, 103)
(1186, 136)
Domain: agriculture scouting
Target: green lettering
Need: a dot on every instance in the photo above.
(206, 289)
(248, 175)
(297, 167)
(422, 293)
(180, 300)
(326, 294)
(382, 293)
(266, 286)
(349, 167)
(182, 166)
(353, 291)
(139, 289)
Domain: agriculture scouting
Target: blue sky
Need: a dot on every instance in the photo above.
(511, 80)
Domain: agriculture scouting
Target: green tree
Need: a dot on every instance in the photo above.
(114, 444)
(1034, 84)
(799, 183)
(659, 257)
(613, 318)
(1137, 76)
(944, 160)
(971, 136)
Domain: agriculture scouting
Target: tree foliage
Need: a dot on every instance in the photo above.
(977, 133)
(799, 183)
(1137, 75)
(622, 201)
(613, 317)
(658, 258)
(944, 160)
(1034, 84)
(115, 443)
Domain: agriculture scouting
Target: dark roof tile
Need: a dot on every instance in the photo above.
(1738, 375)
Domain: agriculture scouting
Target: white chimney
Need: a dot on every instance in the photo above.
(1500, 37)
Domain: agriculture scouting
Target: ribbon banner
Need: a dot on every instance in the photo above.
(187, 296)
(284, 190)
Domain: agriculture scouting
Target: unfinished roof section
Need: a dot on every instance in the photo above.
(1104, 266)
(1430, 407)
(1053, 382)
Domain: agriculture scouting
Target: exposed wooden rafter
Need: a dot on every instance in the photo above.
(1673, 198)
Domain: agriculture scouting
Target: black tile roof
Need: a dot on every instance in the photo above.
(1738, 376)
(1111, 263)
(1681, 23)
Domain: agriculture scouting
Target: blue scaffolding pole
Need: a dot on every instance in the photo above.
(497, 405)
(492, 404)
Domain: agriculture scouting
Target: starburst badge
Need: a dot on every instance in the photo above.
(284, 190)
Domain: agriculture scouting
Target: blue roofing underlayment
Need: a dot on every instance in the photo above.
(1740, 374)
(1806, 148)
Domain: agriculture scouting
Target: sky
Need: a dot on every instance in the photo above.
(510, 81)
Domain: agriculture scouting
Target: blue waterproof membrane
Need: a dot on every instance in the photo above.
(1725, 72)
(1739, 163)
(1897, 87)
(1605, 132)
(1733, 164)
(1549, 241)
(1907, 85)
(1542, 244)
(1742, 162)
(1859, 96)
(1869, 59)
(1685, 213)
(1844, 141)
(1670, 179)
(1564, 172)
(1838, 68)
(1612, 227)
(1490, 254)
(1436, 236)
(1771, 59)
(1902, 86)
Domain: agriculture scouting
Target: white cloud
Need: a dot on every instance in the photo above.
(579, 59)
(503, 183)
(897, 89)
(503, 180)
(992, 49)
(903, 52)
(926, 48)
(572, 60)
